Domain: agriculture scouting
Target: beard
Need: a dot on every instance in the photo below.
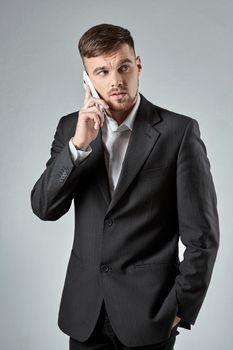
(122, 105)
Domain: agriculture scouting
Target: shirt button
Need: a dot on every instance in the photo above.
(104, 268)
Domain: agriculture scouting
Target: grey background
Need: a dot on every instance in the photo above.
(187, 54)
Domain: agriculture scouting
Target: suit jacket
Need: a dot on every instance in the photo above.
(125, 248)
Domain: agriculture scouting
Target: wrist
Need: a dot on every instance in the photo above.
(79, 145)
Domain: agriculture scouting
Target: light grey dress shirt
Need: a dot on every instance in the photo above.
(115, 141)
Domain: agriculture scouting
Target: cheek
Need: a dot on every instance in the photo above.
(102, 89)
(133, 83)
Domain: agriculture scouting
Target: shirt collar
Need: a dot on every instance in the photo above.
(128, 122)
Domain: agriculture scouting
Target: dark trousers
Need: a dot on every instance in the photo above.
(103, 337)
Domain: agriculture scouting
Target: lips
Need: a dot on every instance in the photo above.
(118, 95)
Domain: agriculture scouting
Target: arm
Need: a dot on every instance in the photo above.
(52, 194)
(198, 224)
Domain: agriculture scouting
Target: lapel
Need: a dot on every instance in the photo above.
(142, 140)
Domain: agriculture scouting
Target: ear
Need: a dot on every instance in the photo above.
(139, 63)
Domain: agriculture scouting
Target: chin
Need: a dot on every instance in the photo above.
(121, 105)
(117, 107)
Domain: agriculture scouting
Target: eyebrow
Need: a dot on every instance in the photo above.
(124, 60)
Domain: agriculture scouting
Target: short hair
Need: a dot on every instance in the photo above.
(103, 38)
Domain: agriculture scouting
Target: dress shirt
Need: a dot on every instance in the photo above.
(115, 139)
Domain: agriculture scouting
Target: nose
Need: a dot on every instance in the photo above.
(116, 79)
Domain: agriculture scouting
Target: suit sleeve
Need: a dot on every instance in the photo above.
(198, 224)
(53, 192)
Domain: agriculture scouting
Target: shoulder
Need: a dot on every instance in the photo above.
(170, 116)
(170, 119)
(70, 118)
(67, 124)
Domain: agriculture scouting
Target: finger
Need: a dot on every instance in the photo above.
(98, 101)
(96, 120)
(95, 109)
(95, 116)
(99, 112)
(87, 94)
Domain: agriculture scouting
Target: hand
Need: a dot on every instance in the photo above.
(89, 121)
(176, 321)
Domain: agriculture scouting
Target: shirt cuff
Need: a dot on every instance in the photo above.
(78, 155)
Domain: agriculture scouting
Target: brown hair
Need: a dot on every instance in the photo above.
(102, 39)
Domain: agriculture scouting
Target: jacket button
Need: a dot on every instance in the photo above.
(104, 268)
(110, 222)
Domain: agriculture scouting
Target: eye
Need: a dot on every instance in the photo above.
(102, 73)
(124, 68)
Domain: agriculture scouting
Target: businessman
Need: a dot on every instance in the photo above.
(140, 178)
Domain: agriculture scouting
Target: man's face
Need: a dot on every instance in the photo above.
(116, 78)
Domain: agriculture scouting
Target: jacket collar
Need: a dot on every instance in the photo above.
(143, 138)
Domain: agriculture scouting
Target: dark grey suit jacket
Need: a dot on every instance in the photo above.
(125, 249)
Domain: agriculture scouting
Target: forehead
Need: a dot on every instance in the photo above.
(111, 59)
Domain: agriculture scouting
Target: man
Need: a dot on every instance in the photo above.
(140, 178)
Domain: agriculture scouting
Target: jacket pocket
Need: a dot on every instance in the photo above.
(152, 264)
(157, 171)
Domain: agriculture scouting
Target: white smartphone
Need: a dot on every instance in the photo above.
(87, 81)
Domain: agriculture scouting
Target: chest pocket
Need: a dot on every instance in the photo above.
(155, 171)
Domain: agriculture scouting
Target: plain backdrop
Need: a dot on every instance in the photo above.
(187, 54)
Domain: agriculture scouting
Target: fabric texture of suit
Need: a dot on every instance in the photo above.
(125, 248)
